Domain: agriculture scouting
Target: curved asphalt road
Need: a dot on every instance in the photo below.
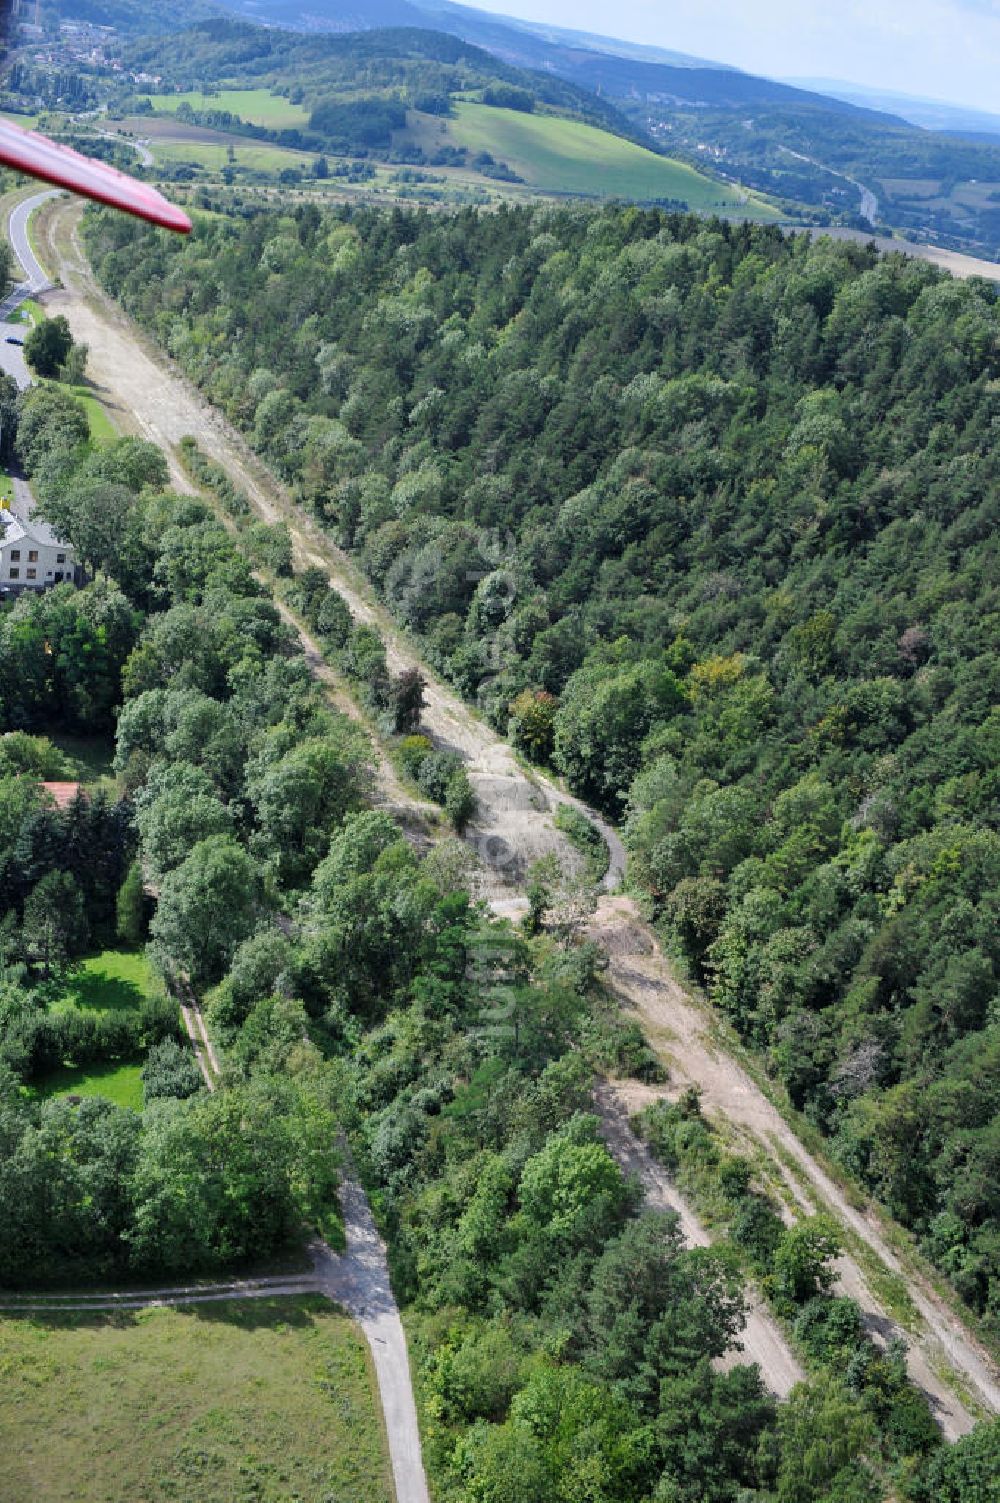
(17, 230)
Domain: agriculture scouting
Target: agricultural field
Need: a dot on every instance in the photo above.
(910, 187)
(213, 156)
(263, 1400)
(255, 106)
(567, 156)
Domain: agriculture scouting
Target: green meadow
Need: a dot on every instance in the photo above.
(213, 156)
(566, 156)
(260, 1401)
(255, 106)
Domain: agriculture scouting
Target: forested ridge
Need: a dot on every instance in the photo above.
(341, 78)
(702, 515)
(563, 1337)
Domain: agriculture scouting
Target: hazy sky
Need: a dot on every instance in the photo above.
(946, 49)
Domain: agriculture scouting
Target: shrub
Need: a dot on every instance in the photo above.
(435, 773)
(170, 1070)
(586, 838)
(459, 799)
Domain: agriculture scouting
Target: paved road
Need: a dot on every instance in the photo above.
(35, 280)
(17, 230)
(12, 355)
(359, 1281)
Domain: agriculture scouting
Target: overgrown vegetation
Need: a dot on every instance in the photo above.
(720, 504)
(565, 1339)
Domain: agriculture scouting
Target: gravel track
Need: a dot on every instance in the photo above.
(762, 1339)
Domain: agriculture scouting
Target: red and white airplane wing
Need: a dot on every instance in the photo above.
(27, 151)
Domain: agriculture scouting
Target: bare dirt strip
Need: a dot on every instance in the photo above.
(148, 395)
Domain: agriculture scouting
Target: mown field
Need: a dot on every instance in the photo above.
(213, 157)
(255, 106)
(566, 156)
(251, 1402)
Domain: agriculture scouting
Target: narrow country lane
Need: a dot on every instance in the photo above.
(148, 395)
(35, 276)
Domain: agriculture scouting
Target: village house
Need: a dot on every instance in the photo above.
(31, 556)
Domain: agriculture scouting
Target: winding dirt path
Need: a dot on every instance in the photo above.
(147, 395)
(762, 1339)
(684, 1034)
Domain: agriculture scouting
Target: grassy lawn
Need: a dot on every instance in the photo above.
(121, 1084)
(264, 1401)
(26, 122)
(255, 106)
(6, 489)
(29, 312)
(566, 156)
(113, 981)
(102, 430)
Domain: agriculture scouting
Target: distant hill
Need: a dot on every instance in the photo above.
(135, 17)
(409, 96)
(931, 114)
(843, 160)
(411, 63)
(330, 15)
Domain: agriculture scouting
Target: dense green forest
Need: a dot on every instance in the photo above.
(704, 516)
(563, 1338)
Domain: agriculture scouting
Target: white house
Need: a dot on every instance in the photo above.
(31, 556)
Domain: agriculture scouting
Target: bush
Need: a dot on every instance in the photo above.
(586, 838)
(436, 772)
(333, 619)
(802, 1264)
(412, 752)
(271, 547)
(758, 1230)
(170, 1070)
(829, 1328)
(459, 799)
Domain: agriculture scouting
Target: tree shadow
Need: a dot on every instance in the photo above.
(99, 992)
(297, 1311)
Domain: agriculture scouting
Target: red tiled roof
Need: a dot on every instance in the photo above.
(62, 793)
